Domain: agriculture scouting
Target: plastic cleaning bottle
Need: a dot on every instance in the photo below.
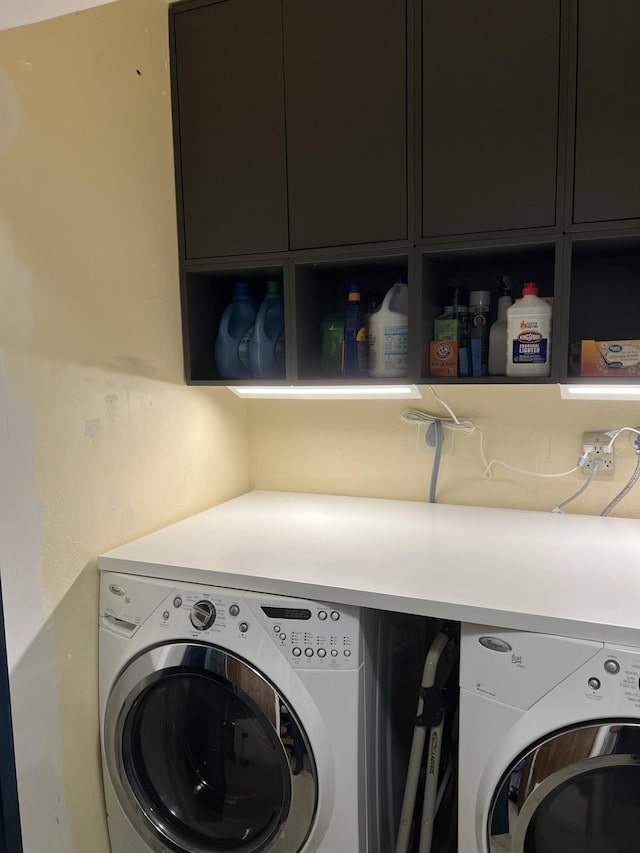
(480, 308)
(355, 339)
(234, 334)
(267, 347)
(528, 348)
(498, 331)
(388, 334)
(460, 312)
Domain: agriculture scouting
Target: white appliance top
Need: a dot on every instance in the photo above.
(571, 575)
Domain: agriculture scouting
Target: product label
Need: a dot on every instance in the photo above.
(396, 347)
(530, 346)
(243, 348)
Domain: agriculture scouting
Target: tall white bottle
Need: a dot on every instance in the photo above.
(528, 347)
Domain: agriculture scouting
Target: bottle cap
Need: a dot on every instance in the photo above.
(354, 291)
(530, 289)
(241, 288)
(480, 298)
(273, 287)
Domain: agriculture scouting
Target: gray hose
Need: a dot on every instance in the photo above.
(437, 426)
(625, 491)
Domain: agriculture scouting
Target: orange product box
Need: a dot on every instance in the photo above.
(610, 358)
(443, 358)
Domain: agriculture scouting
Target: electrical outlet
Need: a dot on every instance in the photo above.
(596, 446)
(426, 442)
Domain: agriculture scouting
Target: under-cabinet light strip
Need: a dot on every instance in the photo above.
(326, 392)
(600, 392)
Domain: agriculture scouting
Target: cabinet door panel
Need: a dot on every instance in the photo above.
(490, 114)
(229, 80)
(607, 162)
(345, 72)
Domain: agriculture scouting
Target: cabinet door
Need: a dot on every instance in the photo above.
(490, 114)
(229, 116)
(607, 161)
(346, 106)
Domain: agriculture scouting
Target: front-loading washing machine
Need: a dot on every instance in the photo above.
(231, 720)
(549, 744)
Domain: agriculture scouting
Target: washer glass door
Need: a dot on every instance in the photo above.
(206, 756)
(577, 792)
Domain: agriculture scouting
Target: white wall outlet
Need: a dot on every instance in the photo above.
(426, 442)
(597, 446)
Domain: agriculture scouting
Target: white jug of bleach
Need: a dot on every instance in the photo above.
(388, 334)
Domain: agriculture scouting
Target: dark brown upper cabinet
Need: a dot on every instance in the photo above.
(490, 97)
(346, 108)
(229, 127)
(607, 141)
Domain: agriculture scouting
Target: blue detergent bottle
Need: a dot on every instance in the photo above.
(234, 334)
(267, 347)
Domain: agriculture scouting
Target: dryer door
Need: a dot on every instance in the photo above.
(577, 792)
(206, 756)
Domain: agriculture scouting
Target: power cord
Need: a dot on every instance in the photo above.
(415, 416)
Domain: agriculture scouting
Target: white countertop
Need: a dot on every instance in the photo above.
(577, 576)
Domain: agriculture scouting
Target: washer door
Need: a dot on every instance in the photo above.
(206, 756)
(577, 792)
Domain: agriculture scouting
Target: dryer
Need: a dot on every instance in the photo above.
(231, 720)
(549, 744)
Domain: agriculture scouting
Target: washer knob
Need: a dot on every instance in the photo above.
(308, 652)
(594, 683)
(322, 653)
(244, 627)
(335, 615)
(347, 653)
(296, 652)
(203, 615)
(234, 610)
(322, 615)
(334, 653)
(612, 666)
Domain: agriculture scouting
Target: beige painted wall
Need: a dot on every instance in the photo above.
(364, 448)
(100, 441)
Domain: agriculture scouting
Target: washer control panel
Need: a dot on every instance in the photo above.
(312, 634)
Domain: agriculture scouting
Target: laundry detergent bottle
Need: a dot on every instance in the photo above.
(267, 347)
(388, 334)
(234, 334)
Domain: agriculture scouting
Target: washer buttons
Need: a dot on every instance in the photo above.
(322, 653)
(612, 666)
(282, 636)
(276, 629)
(334, 653)
(322, 615)
(166, 614)
(234, 610)
(594, 683)
(347, 653)
(244, 627)
(335, 615)
(177, 601)
(308, 652)
(296, 652)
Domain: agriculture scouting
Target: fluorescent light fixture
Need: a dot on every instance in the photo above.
(600, 392)
(326, 392)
